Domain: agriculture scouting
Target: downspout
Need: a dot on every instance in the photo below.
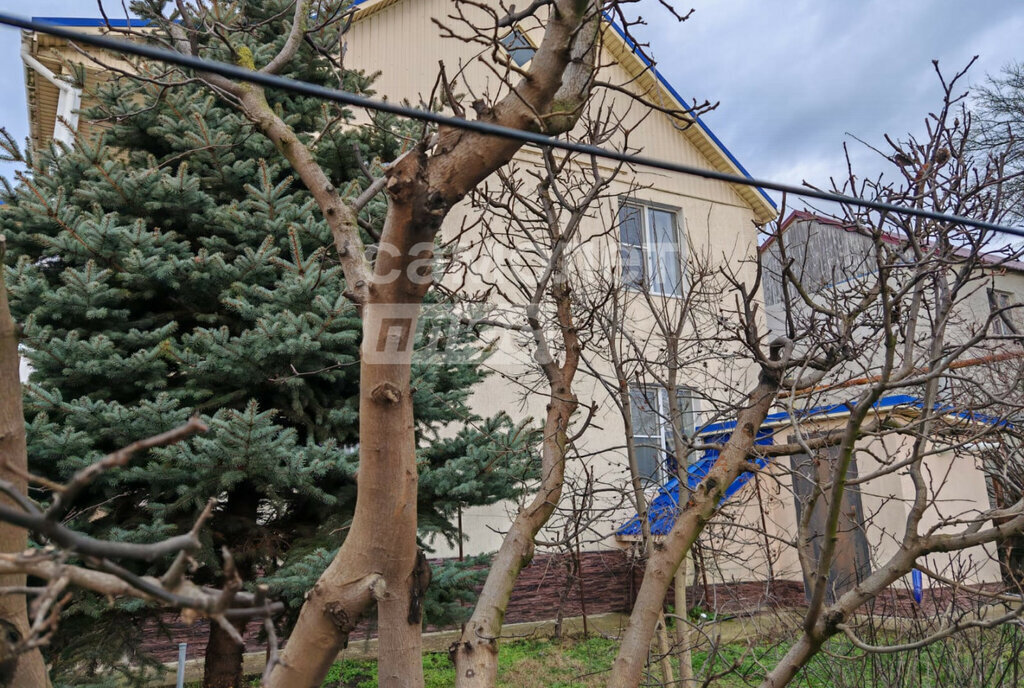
(68, 102)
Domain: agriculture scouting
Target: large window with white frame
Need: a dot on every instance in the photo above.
(652, 429)
(651, 247)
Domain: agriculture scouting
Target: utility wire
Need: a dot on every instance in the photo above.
(353, 100)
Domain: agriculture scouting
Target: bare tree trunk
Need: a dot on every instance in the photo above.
(476, 652)
(26, 670)
(667, 677)
(223, 665)
(563, 596)
(684, 653)
(377, 561)
(665, 560)
(788, 666)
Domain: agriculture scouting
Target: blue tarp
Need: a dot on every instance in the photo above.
(664, 508)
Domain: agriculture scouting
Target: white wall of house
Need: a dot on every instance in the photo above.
(717, 221)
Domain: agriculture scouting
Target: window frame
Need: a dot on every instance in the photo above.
(690, 411)
(653, 270)
(1002, 299)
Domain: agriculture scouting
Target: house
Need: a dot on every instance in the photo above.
(701, 216)
(831, 256)
(968, 462)
(752, 538)
(692, 216)
(970, 467)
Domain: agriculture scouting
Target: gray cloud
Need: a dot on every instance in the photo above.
(794, 77)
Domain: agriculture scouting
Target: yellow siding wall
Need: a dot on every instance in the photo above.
(402, 43)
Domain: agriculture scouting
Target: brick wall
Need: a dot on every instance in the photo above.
(610, 581)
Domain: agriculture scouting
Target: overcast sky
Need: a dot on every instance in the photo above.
(792, 76)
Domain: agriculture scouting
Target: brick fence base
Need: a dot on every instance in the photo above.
(610, 580)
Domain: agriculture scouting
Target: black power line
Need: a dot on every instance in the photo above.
(353, 100)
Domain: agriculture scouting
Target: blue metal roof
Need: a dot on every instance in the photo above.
(91, 21)
(845, 407)
(664, 508)
(888, 402)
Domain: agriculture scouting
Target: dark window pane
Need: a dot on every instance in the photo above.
(686, 409)
(648, 458)
(684, 421)
(634, 272)
(664, 252)
(518, 47)
(631, 226)
(646, 422)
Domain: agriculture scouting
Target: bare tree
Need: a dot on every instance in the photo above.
(650, 351)
(534, 225)
(898, 322)
(999, 109)
(928, 341)
(18, 666)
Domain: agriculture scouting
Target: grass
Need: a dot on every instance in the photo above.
(545, 663)
(989, 660)
(532, 663)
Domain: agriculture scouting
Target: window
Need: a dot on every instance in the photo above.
(1001, 300)
(650, 248)
(519, 47)
(652, 429)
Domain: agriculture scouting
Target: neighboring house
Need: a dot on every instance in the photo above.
(831, 259)
(834, 261)
(826, 255)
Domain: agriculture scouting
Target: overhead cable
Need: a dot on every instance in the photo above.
(354, 100)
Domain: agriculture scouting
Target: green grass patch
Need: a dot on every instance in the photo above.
(528, 663)
(975, 660)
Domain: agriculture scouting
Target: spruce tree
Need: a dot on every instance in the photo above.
(175, 267)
